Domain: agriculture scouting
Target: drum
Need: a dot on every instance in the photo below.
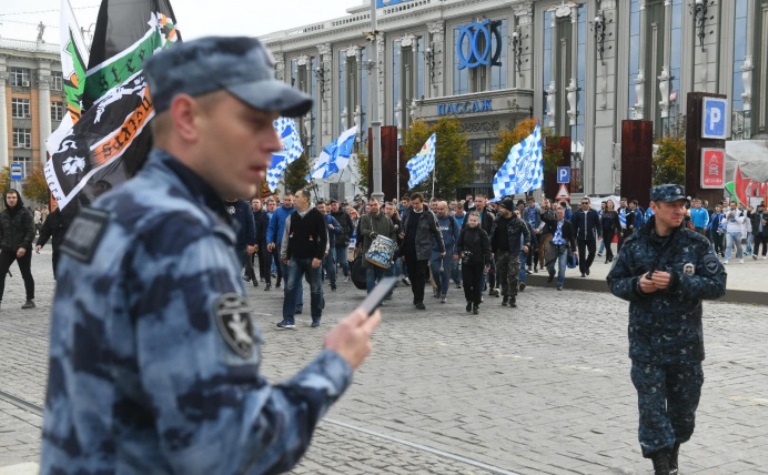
(381, 252)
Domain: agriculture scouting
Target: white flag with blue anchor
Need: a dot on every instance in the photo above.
(334, 157)
(292, 150)
(524, 168)
(423, 163)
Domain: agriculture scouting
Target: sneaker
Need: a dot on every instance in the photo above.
(443, 298)
(29, 304)
(726, 262)
(559, 287)
(496, 293)
(583, 274)
(286, 325)
(435, 294)
(297, 312)
(551, 278)
(741, 261)
(333, 287)
(754, 256)
(420, 306)
(406, 281)
(277, 284)
(246, 278)
(256, 283)
(458, 286)
(469, 306)
(267, 287)
(346, 279)
(315, 324)
(504, 301)
(513, 302)
(475, 310)
(522, 286)
(764, 257)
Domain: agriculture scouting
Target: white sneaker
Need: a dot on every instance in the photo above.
(741, 261)
(725, 262)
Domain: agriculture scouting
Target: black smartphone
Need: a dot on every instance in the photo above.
(378, 294)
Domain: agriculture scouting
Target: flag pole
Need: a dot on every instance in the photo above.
(433, 182)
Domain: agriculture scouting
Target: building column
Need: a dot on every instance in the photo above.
(4, 132)
(605, 110)
(437, 43)
(524, 27)
(44, 110)
(706, 53)
(640, 79)
(665, 76)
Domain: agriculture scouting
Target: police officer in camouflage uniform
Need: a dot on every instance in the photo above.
(665, 270)
(154, 357)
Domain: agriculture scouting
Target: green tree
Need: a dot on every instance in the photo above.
(362, 165)
(454, 166)
(295, 177)
(35, 187)
(669, 160)
(5, 179)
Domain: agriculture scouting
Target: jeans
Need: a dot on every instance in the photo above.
(523, 263)
(602, 246)
(329, 265)
(6, 259)
(750, 238)
(456, 271)
(730, 240)
(296, 269)
(373, 274)
(561, 260)
(341, 259)
(442, 278)
(300, 292)
(395, 269)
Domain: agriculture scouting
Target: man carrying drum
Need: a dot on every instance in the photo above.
(373, 225)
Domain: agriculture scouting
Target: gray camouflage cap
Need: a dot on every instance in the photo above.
(242, 65)
(668, 193)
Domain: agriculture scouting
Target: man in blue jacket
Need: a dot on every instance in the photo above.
(275, 237)
(154, 352)
(665, 270)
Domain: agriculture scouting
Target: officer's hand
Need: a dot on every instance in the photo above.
(271, 247)
(351, 338)
(661, 280)
(316, 263)
(21, 252)
(37, 248)
(646, 285)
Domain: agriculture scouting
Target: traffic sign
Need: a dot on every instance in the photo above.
(17, 172)
(563, 174)
(712, 168)
(714, 120)
(563, 194)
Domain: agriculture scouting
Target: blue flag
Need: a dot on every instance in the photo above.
(524, 168)
(423, 163)
(292, 150)
(334, 157)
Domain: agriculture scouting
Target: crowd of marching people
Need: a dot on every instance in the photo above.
(481, 247)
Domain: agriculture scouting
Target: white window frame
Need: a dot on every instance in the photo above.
(20, 108)
(22, 138)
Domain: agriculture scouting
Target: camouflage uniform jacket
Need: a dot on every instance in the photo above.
(154, 358)
(665, 326)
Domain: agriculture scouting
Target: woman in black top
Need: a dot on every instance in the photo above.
(610, 223)
(474, 250)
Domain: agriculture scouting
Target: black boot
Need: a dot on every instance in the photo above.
(673, 459)
(661, 462)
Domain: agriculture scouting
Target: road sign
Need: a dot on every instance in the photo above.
(714, 120)
(712, 168)
(563, 194)
(563, 174)
(17, 172)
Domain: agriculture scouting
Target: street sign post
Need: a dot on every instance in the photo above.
(563, 174)
(17, 172)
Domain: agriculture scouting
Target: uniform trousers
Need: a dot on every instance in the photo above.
(507, 272)
(667, 397)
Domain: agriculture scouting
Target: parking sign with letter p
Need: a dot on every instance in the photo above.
(714, 120)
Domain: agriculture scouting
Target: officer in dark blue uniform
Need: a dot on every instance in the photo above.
(665, 270)
(154, 356)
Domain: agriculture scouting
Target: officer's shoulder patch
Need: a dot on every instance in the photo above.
(85, 233)
(233, 318)
(710, 265)
(689, 268)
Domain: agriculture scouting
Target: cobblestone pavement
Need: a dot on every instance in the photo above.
(543, 388)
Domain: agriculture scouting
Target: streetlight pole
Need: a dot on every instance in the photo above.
(375, 120)
(398, 119)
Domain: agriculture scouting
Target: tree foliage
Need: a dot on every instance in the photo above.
(454, 165)
(295, 177)
(35, 187)
(363, 167)
(5, 179)
(669, 160)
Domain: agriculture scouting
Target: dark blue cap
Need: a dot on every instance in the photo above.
(667, 193)
(242, 65)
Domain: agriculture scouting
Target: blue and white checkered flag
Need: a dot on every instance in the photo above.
(423, 163)
(524, 168)
(334, 157)
(292, 150)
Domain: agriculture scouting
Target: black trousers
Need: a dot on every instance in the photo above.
(6, 259)
(265, 264)
(472, 277)
(761, 239)
(608, 235)
(417, 272)
(585, 261)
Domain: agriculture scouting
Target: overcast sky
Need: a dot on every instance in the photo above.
(195, 18)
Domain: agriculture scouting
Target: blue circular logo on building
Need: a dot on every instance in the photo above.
(475, 45)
